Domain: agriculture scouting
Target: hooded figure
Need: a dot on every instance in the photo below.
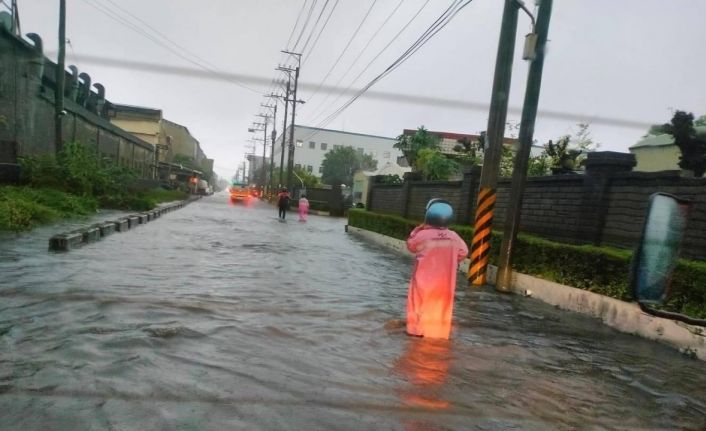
(438, 251)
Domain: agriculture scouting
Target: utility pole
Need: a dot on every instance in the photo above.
(519, 173)
(284, 132)
(59, 76)
(264, 148)
(290, 160)
(272, 148)
(15, 27)
(480, 246)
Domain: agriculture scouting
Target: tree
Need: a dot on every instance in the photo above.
(539, 166)
(434, 165)
(340, 164)
(411, 145)
(692, 148)
(310, 180)
(563, 159)
(569, 152)
(390, 179)
(468, 152)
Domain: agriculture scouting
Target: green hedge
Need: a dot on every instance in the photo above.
(602, 270)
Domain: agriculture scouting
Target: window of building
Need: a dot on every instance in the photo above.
(312, 144)
(321, 169)
(300, 144)
(309, 168)
(361, 151)
(336, 147)
(324, 146)
(297, 166)
(386, 155)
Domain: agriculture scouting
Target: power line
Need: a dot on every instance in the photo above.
(355, 33)
(306, 57)
(134, 27)
(306, 23)
(439, 24)
(394, 38)
(313, 29)
(296, 23)
(385, 21)
(445, 14)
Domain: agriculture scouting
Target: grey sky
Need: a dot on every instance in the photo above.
(625, 59)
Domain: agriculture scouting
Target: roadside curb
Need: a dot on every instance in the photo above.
(97, 231)
(623, 316)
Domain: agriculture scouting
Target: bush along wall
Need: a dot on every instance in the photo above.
(603, 270)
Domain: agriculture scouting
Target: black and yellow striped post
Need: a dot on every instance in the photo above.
(480, 246)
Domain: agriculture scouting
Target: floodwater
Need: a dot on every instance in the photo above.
(219, 317)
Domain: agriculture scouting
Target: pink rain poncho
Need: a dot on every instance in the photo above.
(431, 289)
(303, 209)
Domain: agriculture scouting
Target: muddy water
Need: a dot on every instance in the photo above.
(219, 317)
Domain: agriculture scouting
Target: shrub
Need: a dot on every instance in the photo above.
(602, 270)
(19, 214)
(22, 208)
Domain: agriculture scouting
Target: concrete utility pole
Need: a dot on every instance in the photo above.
(519, 173)
(59, 76)
(290, 160)
(264, 148)
(270, 186)
(284, 132)
(480, 246)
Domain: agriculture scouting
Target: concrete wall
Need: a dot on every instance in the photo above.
(27, 112)
(654, 159)
(182, 143)
(148, 131)
(606, 206)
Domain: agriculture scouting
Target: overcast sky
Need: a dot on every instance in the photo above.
(630, 60)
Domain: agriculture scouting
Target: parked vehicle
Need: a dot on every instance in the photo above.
(202, 188)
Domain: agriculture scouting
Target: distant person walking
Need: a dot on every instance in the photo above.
(303, 208)
(438, 251)
(283, 198)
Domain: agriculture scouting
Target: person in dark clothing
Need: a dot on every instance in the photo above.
(283, 198)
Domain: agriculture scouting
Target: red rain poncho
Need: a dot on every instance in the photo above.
(431, 289)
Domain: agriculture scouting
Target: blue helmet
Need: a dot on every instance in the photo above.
(439, 213)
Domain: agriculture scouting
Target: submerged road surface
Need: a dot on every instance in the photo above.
(219, 317)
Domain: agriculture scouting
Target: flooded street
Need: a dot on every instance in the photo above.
(219, 317)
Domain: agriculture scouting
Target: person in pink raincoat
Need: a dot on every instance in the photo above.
(438, 251)
(303, 208)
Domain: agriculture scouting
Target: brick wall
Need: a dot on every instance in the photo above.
(627, 202)
(421, 192)
(387, 199)
(604, 206)
(546, 200)
(27, 113)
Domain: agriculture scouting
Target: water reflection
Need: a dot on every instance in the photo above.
(424, 365)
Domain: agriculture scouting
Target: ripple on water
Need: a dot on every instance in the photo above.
(219, 317)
